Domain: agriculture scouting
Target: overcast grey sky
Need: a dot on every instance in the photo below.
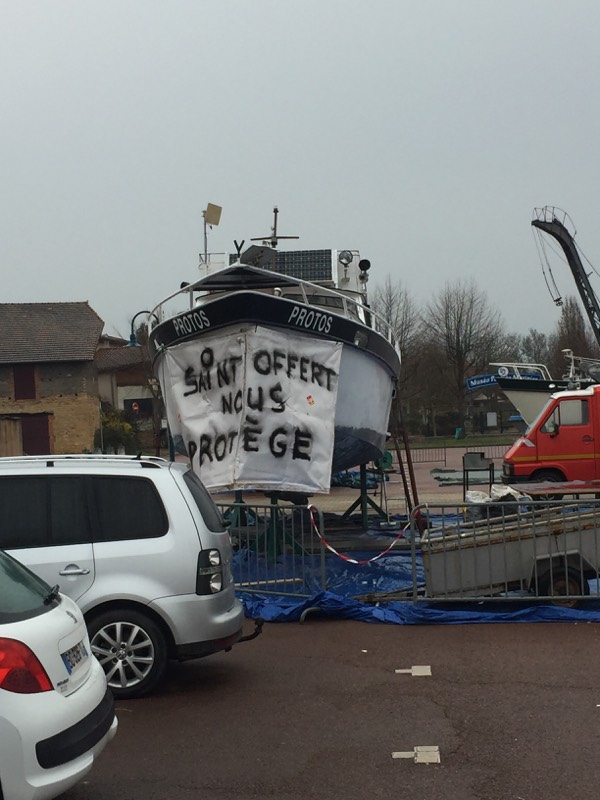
(420, 132)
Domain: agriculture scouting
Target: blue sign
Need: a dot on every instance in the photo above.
(479, 381)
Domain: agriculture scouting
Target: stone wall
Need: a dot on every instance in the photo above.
(75, 419)
(68, 392)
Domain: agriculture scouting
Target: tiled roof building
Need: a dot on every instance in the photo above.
(49, 399)
(48, 332)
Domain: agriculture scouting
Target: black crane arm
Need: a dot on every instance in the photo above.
(556, 229)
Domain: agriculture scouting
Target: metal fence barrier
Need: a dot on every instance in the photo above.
(511, 550)
(276, 549)
(507, 551)
(423, 455)
(494, 451)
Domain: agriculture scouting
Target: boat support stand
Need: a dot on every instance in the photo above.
(364, 500)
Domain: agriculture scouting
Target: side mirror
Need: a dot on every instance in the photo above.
(552, 427)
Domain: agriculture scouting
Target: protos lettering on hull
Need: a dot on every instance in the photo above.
(193, 322)
(310, 319)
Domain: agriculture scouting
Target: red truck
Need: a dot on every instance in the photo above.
(561, 444)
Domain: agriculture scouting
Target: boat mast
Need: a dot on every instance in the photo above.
(274, 237)
(548, 222)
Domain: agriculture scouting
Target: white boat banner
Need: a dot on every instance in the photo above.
(254, 410)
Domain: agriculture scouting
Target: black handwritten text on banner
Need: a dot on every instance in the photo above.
(254, 409)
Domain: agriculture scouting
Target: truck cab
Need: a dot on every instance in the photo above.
(561, 444)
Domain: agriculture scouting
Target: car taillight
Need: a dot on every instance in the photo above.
(209, 574)
(20, 669)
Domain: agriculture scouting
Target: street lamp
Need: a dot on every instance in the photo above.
(153, 384)
(133, 342)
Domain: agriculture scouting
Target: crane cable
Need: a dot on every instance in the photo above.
(541, 245)
(588, 262)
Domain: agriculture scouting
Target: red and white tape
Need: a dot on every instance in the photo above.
(313, 513)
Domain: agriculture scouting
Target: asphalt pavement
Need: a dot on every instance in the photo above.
(318, 711)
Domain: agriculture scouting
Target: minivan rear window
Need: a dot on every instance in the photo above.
(210, 513)
(127, 508)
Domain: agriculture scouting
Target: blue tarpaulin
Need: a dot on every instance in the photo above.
(347, 583)
(389, 573)
(335, 606)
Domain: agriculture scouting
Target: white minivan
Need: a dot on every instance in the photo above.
(141, 547)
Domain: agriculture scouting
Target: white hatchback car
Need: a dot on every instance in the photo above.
(56, 713)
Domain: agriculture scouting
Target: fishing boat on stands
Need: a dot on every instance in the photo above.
(528, 386)
(274, 370)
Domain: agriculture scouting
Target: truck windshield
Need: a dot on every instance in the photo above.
(539, 418)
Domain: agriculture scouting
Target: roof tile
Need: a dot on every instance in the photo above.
(114, 358)
(41, 332)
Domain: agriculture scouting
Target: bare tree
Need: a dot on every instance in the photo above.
(460, 321)
(574, 333)
(394, 303)
(430, 387)
(536, 347)
(397, 307)
(500, 347)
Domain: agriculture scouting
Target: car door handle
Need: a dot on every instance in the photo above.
(74, 569)
(588, 438)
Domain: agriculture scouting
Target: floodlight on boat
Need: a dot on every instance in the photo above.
(364, 266)
(345, 257)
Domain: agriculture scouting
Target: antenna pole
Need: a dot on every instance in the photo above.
(274, 237)
(210, 216)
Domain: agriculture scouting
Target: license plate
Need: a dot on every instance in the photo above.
(74, 657)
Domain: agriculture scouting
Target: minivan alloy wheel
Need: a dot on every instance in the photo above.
(131, 649)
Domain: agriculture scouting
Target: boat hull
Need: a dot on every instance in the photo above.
(530, 396)
(345, 431)
(362, 410)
